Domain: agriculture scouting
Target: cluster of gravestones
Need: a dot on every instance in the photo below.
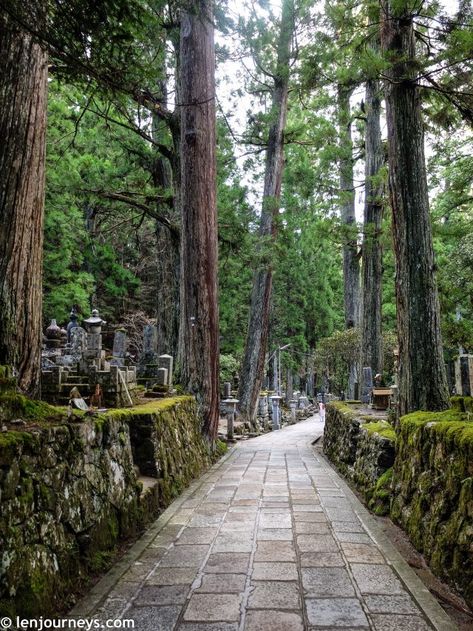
(154, 369)
(76, 355)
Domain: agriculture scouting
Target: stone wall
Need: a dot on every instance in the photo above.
(433, 492)
(70, 492)
(362, 450)
(422, 476)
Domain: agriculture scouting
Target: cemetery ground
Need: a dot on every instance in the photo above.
(271, 538)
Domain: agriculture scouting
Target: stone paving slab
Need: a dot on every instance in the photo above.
(271, 539)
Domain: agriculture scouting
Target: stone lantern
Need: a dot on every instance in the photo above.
(231, 406)
(275, 402)
(293, 406)
(94, 323)
(94, 353)
(53, 335)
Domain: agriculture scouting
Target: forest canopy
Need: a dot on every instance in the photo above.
(306, 102)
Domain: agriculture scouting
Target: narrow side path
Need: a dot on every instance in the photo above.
(270, 540)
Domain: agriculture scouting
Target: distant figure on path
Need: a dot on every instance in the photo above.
(322, 411)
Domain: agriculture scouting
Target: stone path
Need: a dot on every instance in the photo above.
(270, 540)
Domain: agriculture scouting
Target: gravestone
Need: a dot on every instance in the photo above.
(78, 343)
(227, 390)
(450, 370)
(150, 340)
(367, 385)
(148, 360)
(166, 362)
(262, 406)
(465, 377)
(120, 343)
(162, 377)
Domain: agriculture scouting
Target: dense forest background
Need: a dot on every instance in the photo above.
(104, 244)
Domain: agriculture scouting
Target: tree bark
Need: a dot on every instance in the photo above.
(252, 370)
(422, 377)
(351, 262)
(23, 102)
(372, 255)
(166, 176)
(199, 331)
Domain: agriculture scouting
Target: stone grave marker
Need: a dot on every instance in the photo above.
(120, 343)
(162, 377)
(367, 385)
(166, 362)
(78, 343)
(465, 377)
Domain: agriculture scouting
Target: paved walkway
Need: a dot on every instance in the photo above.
(270, 540)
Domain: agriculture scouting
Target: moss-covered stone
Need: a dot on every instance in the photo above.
(362, 451)
(433, 490)
(70, 492)
(380, 500)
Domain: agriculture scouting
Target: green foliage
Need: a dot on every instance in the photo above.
(87, 261)
(335, 353)
(229, 367)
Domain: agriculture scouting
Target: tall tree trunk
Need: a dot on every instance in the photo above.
(166, 175)
(23, 102)
(199, 334)
(372, 255)
(252, 370)
(351, 262)
(422, 377)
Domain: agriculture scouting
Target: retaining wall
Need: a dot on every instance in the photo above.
(71, 491)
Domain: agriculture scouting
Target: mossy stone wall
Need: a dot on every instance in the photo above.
(363, 451)
(433, 492)
(70, 492)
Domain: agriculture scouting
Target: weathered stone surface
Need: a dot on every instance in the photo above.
(273, 621)
(362, 451)
(394, 623)
(274, 572)
(326, 581)
(162, 595)
(154, 618)
(362, 553)
(227, 563)
(222, 583)
(321, 559)
(267, 551)
(274, 595)
(213, 607)
(69, 493)
(337, 612)
(433, 490)
(376, 579)
(398, 604)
